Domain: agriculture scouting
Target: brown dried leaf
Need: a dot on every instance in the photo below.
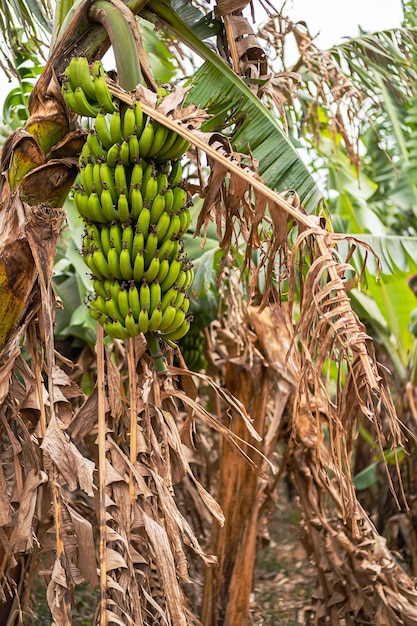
(75, 469)
(24, 532)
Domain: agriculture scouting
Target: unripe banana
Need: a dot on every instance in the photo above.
(153, 269)
(155, 319)
(107, 205)
(116, 330)
(177, 321)
(129, 123)
(113, 311)
(176, 151)
(115, 127)
(148, 171)
(149, 190)
(103, 94)
(159, 139)
(96, 315)
(157, 208)
(95, 208)
(154, 295)
(134, 301)
(97, 178)
(96, 149)
(113, 260)
(151, 246)
(113, 154)
(99, 287)
(146, 139)
(169, 201)
(185, 219)
(120, 178)
(123, 208)
(136, 203)
(106, 176)
(180, 199)
(162, 226)
(87, 176)
(98, 303)
(103, 131)
(125, 263)
(124, 153)
(179, 333)
(174, 227)
(162, 182)
(71, 72)
(169, 297)
(138, 242)
(84, 107)
(81, 202)
(174, 270)
(133, 148)
(101, 264)
(116, 236)
(144, 220)
(89, 261)
(137, 174)
(139, 266)
(175, 175)
(139, 117)
(105, 239)
(168, 249)
(168, 316)
(131, 326)
(114, 289)
(169, 142)
(127, 238)
(143, 321)
(145, 296)
(164, 266)
(123, 301)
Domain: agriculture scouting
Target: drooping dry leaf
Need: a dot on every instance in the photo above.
(75, 468)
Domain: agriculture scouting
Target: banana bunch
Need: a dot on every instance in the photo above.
(192, 348)
(84, 93)
(135, 205)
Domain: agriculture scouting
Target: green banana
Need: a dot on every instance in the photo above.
(102, 130)
(95, 209)
(175, 175)
(114, 289)
(127, 237)
(123, 301)
(169, 297)
(168, 317)
(84, 107)
(179, 333)
(85, 80)
(116, 330)
(97, 178)
(101, 264)
(174, 227)
(149, 190)
(134, 301)
(175, 152)
(180, 199)
(116, 236)
(138, 242)
(171, 277)
(103, 94)
(155, 319)
(107, 205)
(176, 322)
(99, 287)
(96, 149)
(164, 266)
(107, 180)
(99, 303)
(151, 246)
(157, 208)
(146, 139)
(168, 249)
(159, 138)
(145, 296)
(139, 266)
(129, 123)
(81, 202)
(115, 127)
(123, 208)
(124, 153)
(136, 203)
(87, 176)
(153, 269)
(162, 182)
(120, 177)
(139, 117)
(133, 148)
(105, 239)
(154, 295)
(71, 72)
(113, 154)
(162, 226)
(144, 220)
(185, 219)
(125, 263)
(137, 174)
(131, 326)
(143, 321)
(113, 260)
